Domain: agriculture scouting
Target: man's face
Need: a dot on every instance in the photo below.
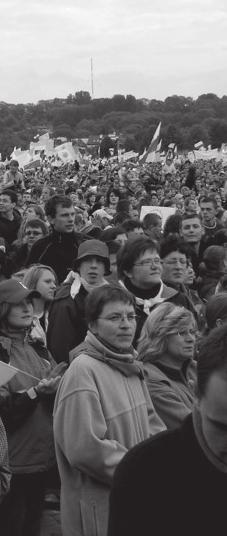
(208, 212)
(121, 239)
(160, 193)
(134, 213)
(137, 231)
(192, 205)
(92, 269)
(13, 168)
(213, 411)
(154, 200)
(20, 201)
(174, 268)
(6, 204)
(113, 263)
(63, 222)
(147, 270)
(45, 194)
(27, 198)
(191, 230)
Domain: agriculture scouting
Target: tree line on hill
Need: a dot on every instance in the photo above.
(185, 120)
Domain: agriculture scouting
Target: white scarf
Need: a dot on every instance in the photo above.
(150, 302)
(77, 281)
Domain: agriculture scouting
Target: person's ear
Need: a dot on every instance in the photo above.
(93, 327)
(51, 220)
(128, 274)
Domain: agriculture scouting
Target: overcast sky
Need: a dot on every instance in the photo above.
(148, 48)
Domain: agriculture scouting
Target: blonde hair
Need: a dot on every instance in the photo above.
(163, 321)
(33, 274)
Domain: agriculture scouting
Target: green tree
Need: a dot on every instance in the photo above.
(82, 97)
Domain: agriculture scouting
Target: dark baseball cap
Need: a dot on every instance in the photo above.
(14, 291)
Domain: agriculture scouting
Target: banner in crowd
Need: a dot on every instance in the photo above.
(163, 212)
(67, 153)
(124, 157)
(209, 154)
(44, 144)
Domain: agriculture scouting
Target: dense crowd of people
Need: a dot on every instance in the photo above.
(116, 329)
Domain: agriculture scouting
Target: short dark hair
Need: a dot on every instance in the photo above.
(99, 297)
(190, 216)
(208, 199)
(131, 251)
(130, 224)
(114, 246)
(14, 163)
(55, 201)
(151, 220)
(216, 308)
(11, 194)
(108, 235)
(172, 224)
(173, 243)
(212, 357)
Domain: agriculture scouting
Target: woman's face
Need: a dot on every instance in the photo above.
(20, 315)
(113, 198)
(116, 325)
(75, 199)
(46, 285)
(30, 212)
(92, 199)
(181, 345)
(189, 275)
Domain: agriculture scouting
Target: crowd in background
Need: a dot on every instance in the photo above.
(106, 314)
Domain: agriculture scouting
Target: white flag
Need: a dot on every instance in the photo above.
(6, 373)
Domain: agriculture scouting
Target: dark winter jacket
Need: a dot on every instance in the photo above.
(5, 474)
(168, 486)
(10, 228)
(57, 250)
(19, 257)
(207, 283)
(170, 389)
(67, 326)
(28, 421)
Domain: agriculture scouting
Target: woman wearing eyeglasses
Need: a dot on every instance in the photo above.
(166, 348)
(102, 409)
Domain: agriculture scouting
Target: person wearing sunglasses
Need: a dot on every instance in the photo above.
(102, 409)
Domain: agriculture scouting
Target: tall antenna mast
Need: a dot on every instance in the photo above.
(92, 80)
